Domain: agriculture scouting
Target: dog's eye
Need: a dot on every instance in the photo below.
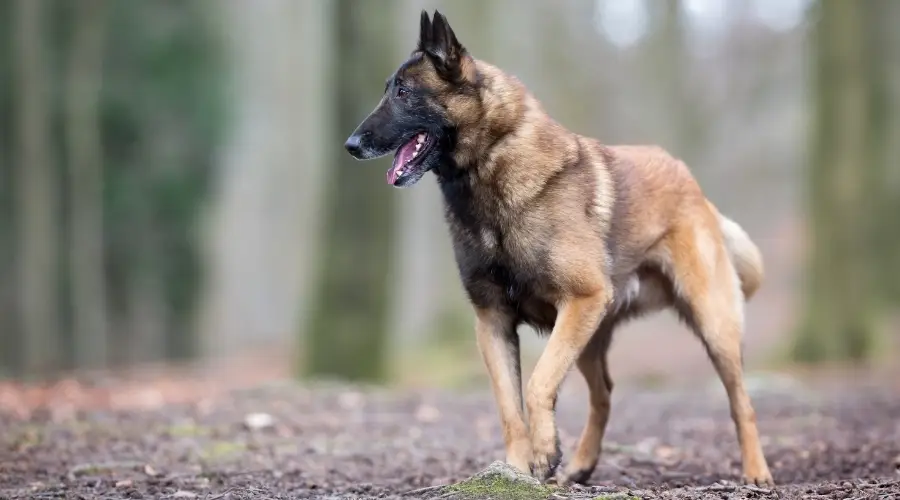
(402, 92)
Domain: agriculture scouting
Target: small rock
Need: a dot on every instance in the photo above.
(150, 471)
(665, 452)
(184, 494)
(506, 471)
(350, 400)
(258, 421)
(125, 483)
(427, 413)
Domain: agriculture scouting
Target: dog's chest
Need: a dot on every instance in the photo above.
(505, 269)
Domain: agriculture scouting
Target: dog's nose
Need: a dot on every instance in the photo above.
(352, 145)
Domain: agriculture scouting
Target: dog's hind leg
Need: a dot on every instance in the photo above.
(709, 298)
(592, 364)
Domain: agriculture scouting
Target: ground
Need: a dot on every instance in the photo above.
(833, 438)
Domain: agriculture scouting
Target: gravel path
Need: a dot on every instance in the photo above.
(333, 441)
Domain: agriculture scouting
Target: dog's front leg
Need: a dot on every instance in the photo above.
(499, 346)
(576, 322)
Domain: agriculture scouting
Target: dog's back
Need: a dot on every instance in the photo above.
(655, 192)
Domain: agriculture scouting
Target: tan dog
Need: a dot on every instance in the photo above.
(561, 232)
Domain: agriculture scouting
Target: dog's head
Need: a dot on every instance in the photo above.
(424, 102)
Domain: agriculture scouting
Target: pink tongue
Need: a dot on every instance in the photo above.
(400, 160)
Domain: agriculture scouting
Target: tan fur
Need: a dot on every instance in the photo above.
(647, 210)
(572, 236)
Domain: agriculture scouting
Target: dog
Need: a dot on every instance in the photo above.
(559, 231)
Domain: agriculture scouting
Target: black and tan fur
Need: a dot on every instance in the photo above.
(559, 231)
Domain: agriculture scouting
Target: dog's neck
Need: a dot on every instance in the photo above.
(489, 164)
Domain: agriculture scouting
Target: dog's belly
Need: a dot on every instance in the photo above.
(643, 291)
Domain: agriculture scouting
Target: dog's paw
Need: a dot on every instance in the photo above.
(545, 461)
(519, 456)
(761, 478)
(572, 476)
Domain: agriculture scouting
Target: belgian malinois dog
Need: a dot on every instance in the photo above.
(556, 230)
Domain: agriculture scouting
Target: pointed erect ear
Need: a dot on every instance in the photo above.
(424, 31)
(441, 46)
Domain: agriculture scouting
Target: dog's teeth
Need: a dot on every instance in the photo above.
(399, 172)
(421, 138)
(418, 146)
(415, 153)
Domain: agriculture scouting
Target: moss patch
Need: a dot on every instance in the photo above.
(220, 450)
(188, 429)
(500, 488)
(500, 482)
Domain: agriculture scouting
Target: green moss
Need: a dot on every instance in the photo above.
(27, 437)
(222, 449)
(497, 487)
(187, 430)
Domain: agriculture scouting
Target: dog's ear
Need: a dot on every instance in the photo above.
(424, 31)
(441, 46)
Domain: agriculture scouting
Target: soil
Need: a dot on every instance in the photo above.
(834, 439)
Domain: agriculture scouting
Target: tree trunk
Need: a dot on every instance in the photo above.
(883, 76)
(838, 317)
(348, 328)
(86, 185)
(37, 204)
(258, 287)
(669, 64)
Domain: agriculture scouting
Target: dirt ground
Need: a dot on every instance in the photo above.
(838, 438)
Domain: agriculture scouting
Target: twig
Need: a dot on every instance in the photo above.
(421, 491)
(717, 487)
(221, 495)
(82, 469)
(757, 489)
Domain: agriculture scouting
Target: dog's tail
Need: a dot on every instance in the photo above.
(745, 255)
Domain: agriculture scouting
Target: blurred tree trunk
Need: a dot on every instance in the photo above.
(668, 69)
(349, 319)
(85, 67)
(883, 70)
(10, 360)
(259, 284)
(37, 203)
(838, 318)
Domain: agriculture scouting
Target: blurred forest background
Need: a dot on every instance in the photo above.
(173, 186)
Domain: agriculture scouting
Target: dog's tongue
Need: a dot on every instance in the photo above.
(403, 155)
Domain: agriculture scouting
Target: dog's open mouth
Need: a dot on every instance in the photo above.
(408, 159)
